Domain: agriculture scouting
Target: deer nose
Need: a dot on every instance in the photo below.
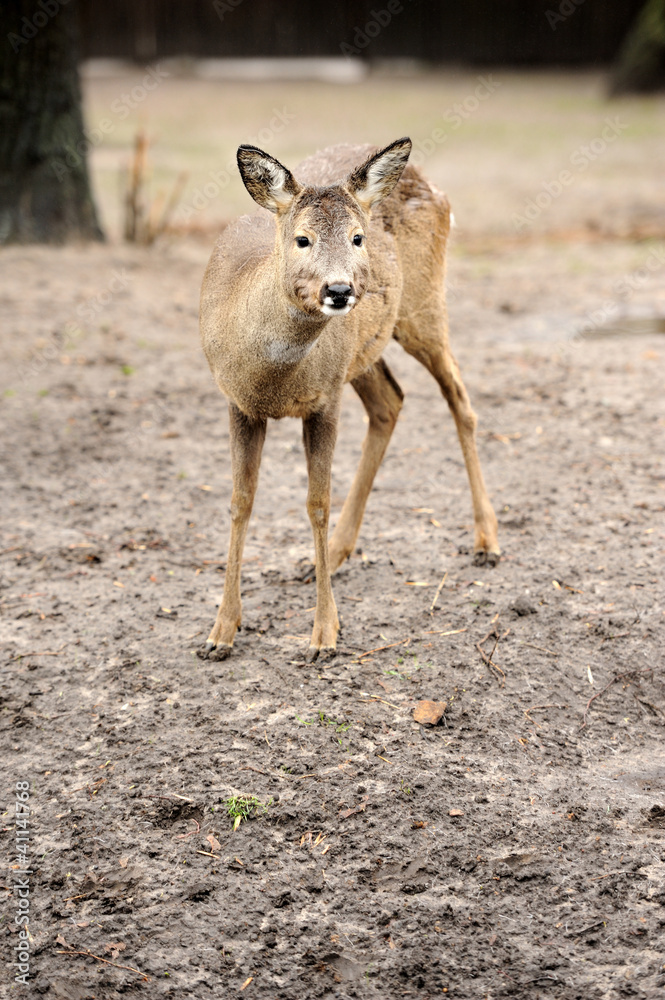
(337, 295)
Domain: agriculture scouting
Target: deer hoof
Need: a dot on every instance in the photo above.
(220, 652)
(209, 651)
(484, 558)
(320, 653)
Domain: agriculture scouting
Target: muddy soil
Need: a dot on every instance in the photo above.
(516, 848)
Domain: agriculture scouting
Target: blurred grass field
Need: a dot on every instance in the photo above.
(492, 140)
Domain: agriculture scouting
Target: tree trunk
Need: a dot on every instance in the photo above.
(45, 194)
(640, 65)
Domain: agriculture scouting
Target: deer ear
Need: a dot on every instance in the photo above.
(378, 175)
(270, 184)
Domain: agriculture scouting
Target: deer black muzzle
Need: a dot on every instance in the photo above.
(337, 296)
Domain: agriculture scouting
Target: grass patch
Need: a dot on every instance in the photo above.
(244, 807)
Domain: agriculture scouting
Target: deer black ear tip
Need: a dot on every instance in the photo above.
(247, 148)
(403, 145)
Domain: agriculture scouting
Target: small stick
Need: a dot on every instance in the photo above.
(402, 642)
(156, 229)
(207, 854)
(438, 591)
(375, 697)
(597, 878)
(435, 631)
(115, 965)
(172, 796)
(184, 836)
(46, 652)
(643, 701)
(534, 707)
(631, 674)
(100, 781)
(541, 648)
(488, 659)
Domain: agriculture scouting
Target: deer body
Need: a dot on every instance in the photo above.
(302, 298)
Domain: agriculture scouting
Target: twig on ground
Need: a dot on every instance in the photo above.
(438, 591)
(171, 796)
(87, 786)
(378, 649)
(629, 675)
(488, 659)
(542, 649)
(46, 652)
(648, 704)
(184, 836)
(534, 707)
(436, 631)
(622, 871)
(375, 697)
(115, 965)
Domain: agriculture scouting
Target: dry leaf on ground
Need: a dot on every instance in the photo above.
(429, 712)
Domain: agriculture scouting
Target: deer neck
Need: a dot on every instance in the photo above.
(289, 332)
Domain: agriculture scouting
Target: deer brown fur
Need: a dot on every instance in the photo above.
(302, 297)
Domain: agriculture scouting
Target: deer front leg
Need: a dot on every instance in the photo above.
(319, 434)
(247, 437)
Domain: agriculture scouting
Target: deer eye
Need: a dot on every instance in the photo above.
(358, 240)
(302, 241)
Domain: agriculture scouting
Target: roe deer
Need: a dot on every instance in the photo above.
(302, 298)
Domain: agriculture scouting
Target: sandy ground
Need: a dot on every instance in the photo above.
(513, 850)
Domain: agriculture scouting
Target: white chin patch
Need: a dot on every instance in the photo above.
(328, 308)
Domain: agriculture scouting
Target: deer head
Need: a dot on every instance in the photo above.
(321, 231)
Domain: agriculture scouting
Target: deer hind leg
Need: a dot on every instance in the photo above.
(319, 434)
(382, 399)
(435, 355)
(247, 437)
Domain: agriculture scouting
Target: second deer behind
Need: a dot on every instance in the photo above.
(302, 297)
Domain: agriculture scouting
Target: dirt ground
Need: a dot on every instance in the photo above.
(513, 850)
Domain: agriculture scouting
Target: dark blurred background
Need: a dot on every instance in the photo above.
(525, 33)
(414, 64)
